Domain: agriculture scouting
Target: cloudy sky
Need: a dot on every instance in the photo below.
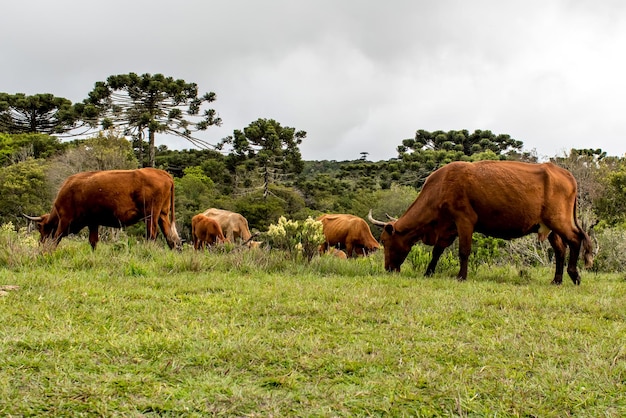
(357, 76)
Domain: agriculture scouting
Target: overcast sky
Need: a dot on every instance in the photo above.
(357, 76)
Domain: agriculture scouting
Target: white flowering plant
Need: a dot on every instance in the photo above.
(296, 237)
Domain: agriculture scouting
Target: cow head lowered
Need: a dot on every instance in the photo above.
(112, 198)
(234, 226)
(396, 246)
(348, 232)
(45, 227)
(502, 199)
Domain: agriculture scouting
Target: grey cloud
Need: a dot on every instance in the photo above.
(356, 76)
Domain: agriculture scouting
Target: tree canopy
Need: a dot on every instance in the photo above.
(460, 141)
(152, 103)
(268, 146)
(15, 148)
(40, 113)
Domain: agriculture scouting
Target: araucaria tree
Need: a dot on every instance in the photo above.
(41, 113)
(428, 151)
(267, 146)
(461, 141)
(153, 104)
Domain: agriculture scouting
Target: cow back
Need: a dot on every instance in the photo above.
(234, 225)
(502, 199)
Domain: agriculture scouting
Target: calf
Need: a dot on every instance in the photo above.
(205, 230)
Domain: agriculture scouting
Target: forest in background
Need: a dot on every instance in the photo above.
(257, 171)
(35, 165)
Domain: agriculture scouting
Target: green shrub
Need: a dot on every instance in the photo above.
(295, 237)
(611, 250)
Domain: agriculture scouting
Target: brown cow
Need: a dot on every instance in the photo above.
(234, 225)
(205, 230)
(503, 199)
(349, 232)
(113, 198)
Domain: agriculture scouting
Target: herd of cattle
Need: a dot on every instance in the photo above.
(502, 199)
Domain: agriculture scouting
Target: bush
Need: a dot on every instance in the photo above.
(295, 237)
(17, 248)
(611, 250)
(528, 251)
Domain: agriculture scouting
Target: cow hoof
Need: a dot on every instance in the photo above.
(556, 282)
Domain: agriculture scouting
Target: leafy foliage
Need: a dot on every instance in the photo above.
(460, 141)
(430, 150)
(295, 237)
(267, 150)
(260, 210)
(40, 113)
(152, 103)
(104, 151)
(19, 147)
(24, 189)
(194, 194)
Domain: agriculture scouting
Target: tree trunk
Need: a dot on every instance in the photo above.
(151, 148)
(138, 143)
(266, 182)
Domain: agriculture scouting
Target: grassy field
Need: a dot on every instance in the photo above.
(134, 329)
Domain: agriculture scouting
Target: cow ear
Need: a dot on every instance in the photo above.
(389, 228)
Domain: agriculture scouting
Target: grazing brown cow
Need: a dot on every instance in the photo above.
(205, 230)
(503, 199)
(349, 232)
(234, 225)
(113, 198)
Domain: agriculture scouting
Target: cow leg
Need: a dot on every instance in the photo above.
(574, 242)
(436, 254)
(574, 251)
(151, 228)
(465, 249)
(169, 232)
(440, 245)
(559, 254)
(93, 236)
(349, 250)
(62, 230)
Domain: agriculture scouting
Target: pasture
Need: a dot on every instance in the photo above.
(134, 329)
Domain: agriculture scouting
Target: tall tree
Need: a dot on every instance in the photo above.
(40, 113)
(430, 150)
(268, 146)
(461, 141)
(153, 103)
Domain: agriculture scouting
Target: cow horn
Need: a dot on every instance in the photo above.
(253, 236)
(33, 218)
(374, 221)
(391, 218)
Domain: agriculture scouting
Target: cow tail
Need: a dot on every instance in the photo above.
(586, 241)
(173, 232)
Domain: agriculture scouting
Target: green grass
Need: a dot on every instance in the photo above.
(134, 329)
